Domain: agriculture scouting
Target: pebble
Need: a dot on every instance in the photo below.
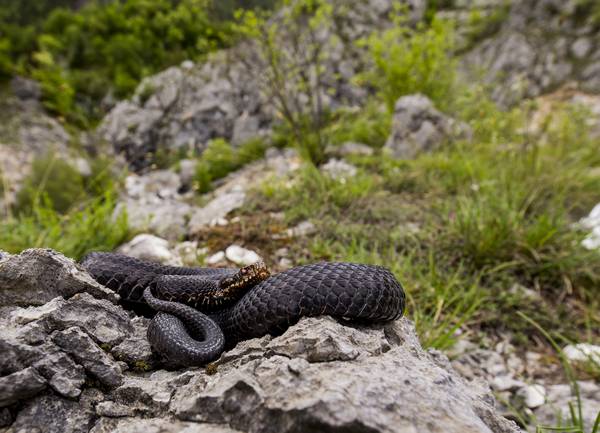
(215, 258)
(582, 352)
(241, 256)
(149, 247)
(533, 395)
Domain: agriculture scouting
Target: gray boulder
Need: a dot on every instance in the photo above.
(332, 381)
(417, 127)
(542, 45)
(36, 276)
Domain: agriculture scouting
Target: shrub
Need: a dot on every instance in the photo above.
(369, 125)
(52, 179)
(81, 56)
(410, 61)
(92, 227)
(288, 63)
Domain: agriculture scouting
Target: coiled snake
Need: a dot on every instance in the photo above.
(201, 310)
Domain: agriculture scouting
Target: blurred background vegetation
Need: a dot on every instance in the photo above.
(86, 52)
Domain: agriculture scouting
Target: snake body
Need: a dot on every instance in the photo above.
(203, 310)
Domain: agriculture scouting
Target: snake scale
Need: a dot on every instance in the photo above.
(200, 311)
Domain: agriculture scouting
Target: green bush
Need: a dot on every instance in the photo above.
(105, 47)
(220, 158)
(54, 180)
(91, 228)
(370, 125)
(410, 61)
(60, 186)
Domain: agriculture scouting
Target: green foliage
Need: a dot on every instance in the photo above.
(462, 225)
(74, 234)
(106, 47)
(291, 73)
(220, 158)
(370, 125)
(55, 179)
(408, 60)
(481, 26)
(60, 186)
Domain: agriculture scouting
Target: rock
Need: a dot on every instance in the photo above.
(592, 223)
(350, 148)
(217, 208)
(338, 169)
(558, 399)
(95, 361)
(53, 414)
(189, 252)
(24, 88)
(582, 352)
(182, 108)
(215, 258)
(63, 374)
(245, 127)
(241, 256)
(149, 247)
(390, 385)
(153, 204)
(135, 349)
(20, 385)
(106, 323)
(505, 383)
(533, 395)
(36, 276)
(541, 46)
(418, 127)
(304, 228)
(150, 393)
(156, 425)
(187, 171)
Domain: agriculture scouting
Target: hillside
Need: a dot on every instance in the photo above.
(456, 143)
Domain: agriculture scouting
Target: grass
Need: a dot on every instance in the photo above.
(220, 158)
(91, 227)
(575, 423)
(463, 225)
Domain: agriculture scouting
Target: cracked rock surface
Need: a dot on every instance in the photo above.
(80, 364)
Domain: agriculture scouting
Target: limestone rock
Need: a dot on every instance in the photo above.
(156, 425)
(397, 388)
(241, 256)
(135, 349)
(20, 385)
(417, 127)
(95, 361)
(217, 208)
(149, 247)
(338, 169)
(52, 414)
(540, 46)
(36, 276)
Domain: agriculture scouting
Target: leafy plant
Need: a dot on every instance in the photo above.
(91, 227)
(287, 59)
(407, 60)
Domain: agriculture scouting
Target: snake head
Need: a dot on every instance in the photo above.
(244, 279)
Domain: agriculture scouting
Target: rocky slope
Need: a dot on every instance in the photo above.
(75, 361)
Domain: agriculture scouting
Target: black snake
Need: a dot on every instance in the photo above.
(201, 310)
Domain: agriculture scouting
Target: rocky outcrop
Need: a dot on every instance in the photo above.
(541, 45)
(417, 127)
(37, 276)
(75, 364)
(155, 203)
